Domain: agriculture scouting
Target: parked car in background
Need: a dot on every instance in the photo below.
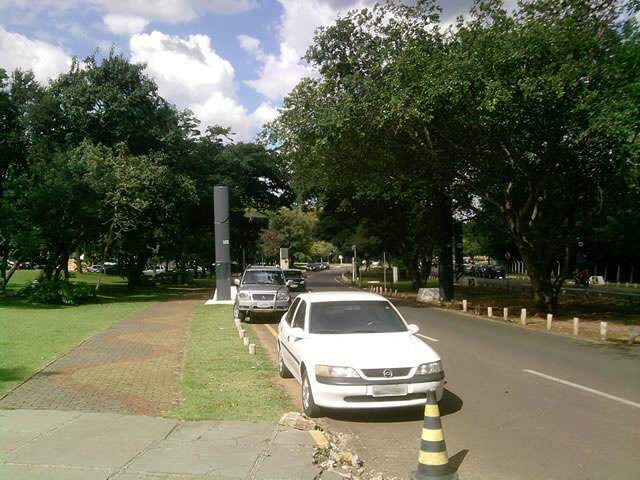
(94, 269)
(354, 350)
(296, 279)
(261, 291)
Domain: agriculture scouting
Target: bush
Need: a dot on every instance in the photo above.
(52, 292)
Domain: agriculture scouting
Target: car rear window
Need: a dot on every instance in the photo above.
(354, 317)
(293, 274)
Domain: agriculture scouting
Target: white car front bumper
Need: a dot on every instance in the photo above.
(360, 396)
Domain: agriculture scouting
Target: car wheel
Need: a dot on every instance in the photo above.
(308, 404)
(237, 313)
(283, 371)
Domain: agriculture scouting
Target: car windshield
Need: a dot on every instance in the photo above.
(354, 317)
(292, 275)
(263, 277)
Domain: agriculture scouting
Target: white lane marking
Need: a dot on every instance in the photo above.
(582, 387)
(427, 338)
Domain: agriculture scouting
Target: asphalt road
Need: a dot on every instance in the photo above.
(519, 404)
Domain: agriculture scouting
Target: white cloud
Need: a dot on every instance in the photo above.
(282, 71)
(124, 24)
(250, 45)
(191, 74)
(46, 60)
(171, 11)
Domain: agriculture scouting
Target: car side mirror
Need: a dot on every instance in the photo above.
(236, 281)
(297, 333)
(413, 329)
(289, 283)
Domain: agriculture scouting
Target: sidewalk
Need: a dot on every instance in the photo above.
(133, 367)
(54, 445)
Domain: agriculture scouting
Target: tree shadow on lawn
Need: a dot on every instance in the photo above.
(13, 374)
(450, 404)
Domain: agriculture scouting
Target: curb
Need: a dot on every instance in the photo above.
(319, 438)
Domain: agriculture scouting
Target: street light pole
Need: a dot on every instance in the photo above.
(355, 255)
(384, 270)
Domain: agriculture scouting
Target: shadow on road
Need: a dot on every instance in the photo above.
(264, 319)
(456, 460)
(449, 404)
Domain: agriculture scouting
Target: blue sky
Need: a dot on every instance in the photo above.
(230, 61)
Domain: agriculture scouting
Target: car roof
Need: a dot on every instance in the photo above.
(295, 270)
(264, 267)
(340, 296)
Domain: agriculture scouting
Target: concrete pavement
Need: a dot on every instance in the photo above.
(55, 445)
(519, 405)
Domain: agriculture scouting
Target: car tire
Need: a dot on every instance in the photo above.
(237, 313)
(283, 371)
(309, 406)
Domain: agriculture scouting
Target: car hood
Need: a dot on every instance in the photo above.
(368, 350)
(263, 288)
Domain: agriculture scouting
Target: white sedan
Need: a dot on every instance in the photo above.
(354, 350)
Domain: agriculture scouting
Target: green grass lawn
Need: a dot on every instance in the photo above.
(403, 285)
(33, 335)
(221, 380)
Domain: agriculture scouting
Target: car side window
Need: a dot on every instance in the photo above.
(298, 321)
(292, 311)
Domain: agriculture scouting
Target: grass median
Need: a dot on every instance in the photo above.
(221, 380)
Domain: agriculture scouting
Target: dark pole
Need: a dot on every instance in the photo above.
(223, 256)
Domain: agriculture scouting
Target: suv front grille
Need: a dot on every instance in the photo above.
(263, 296)
(379, 372)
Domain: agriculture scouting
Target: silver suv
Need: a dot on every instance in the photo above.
(262, 290)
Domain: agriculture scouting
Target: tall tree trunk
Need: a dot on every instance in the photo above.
(445, 248)
(458, 249)
(539, 271)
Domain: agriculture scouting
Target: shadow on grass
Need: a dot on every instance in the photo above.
(449, 404)
(118, 293)
(13, 374)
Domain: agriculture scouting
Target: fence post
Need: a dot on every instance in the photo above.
(252, 349)
(633, 333)
(603, 331)
(505, 314)
(245, 341)
(489, 312)
(464, 305)
(549, 320)
(576, 326)
(523, 316)
(618, 274)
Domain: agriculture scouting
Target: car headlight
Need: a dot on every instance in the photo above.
(329, 371)
(283, 296)
(428, 368)
(243, 295)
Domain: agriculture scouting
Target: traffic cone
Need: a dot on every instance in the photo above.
(433, 461)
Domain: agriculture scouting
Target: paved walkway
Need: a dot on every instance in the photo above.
(54, 445)
(133, 367)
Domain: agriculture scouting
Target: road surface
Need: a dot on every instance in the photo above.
(519, 404)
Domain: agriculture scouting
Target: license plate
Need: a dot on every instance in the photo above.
(265, 304)
(388, 390)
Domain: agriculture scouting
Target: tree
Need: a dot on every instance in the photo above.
(545, 121)
(355, 133)
(289, 227)
(322, 249)
(18, 236)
